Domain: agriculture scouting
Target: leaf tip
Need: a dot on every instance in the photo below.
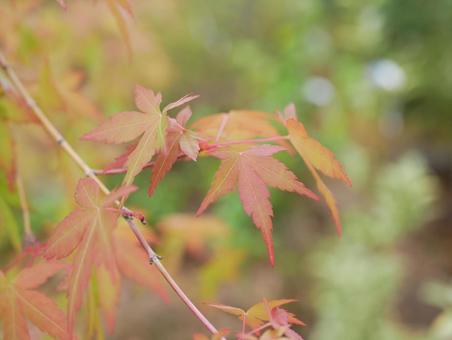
(270, 249)
(338, 228)
(347, 180)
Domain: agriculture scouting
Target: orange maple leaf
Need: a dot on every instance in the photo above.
(19, 302)
(316, 157)
(237, 124)
(252, 170)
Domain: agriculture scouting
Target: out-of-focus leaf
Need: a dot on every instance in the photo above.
(186, 232)
(318, 157)
(87, 231)
(9, 225)
(19, 301)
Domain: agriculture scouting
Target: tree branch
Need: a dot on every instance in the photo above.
(60, 140)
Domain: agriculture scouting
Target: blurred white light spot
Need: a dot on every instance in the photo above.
(318, 91)
(387, 74)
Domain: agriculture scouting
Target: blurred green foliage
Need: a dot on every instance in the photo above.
(358, 277)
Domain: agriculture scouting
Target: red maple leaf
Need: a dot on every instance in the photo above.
(252, 170)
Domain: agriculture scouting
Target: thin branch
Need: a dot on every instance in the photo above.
(155, 259)
(29, 237)
(123, 170)
(59, 139)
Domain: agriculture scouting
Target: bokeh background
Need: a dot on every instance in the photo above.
(372, 80)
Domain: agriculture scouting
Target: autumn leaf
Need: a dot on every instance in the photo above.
(60, 93)
(237, 124)
(256, 315)
(252, 170)
(316, 157)
(119, 9)
(19, 302)
(281, 321)
(149, 125)
(186, 233)
(179, 142)
(220, 269)
(87, 231)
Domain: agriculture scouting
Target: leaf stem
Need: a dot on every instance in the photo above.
(59, 139)
(115, 171)
(205, 147)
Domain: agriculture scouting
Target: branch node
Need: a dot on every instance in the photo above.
(127, 214)
(89, 173)
(154, 258)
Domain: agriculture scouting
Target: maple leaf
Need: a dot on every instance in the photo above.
(281, 320)
(87, 231)
(150, 124)
(316, 157)
(237, 124)
(119, 9)
(258, 314)
(19, 302)
(60, 93)
(252, 170)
